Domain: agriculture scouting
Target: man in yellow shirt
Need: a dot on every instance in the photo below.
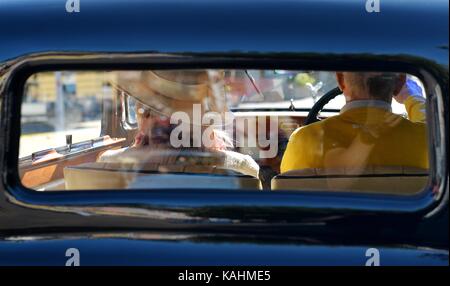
(366, 132)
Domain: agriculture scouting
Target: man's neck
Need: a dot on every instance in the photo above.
(361, 103)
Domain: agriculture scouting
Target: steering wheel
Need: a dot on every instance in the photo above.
(318, 106)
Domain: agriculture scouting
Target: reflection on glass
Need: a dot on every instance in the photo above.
(223, 129)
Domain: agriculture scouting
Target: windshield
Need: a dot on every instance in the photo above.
(284, 90)
(277, 88)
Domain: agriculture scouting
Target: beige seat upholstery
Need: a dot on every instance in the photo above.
(390, 180)
(98, 175)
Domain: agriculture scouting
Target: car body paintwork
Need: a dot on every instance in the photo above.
(195, 251)
(334, 230)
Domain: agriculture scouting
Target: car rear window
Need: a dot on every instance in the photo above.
(261, 130)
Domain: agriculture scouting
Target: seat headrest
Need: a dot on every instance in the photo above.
(113, 175)
(345, 171)
(387, 180)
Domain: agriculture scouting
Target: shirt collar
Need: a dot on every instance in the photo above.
(366, 103)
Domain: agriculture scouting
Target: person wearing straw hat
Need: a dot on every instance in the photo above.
(162, 94)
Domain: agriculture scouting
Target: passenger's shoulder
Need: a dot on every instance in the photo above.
(237, 157)
(413, 124)
(241, 163)
(413, 127)
(111, 155)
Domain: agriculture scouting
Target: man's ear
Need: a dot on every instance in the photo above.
(400, 83)
(340, 80)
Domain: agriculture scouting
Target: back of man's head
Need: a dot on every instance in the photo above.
(371, 85)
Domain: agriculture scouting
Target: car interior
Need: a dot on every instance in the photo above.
(94, 114)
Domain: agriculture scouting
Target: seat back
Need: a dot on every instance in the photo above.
(389, 180)
(98, 175)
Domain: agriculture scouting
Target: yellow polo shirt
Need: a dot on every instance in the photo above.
(364, 135)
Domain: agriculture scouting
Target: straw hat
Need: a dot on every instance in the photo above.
(166, 92)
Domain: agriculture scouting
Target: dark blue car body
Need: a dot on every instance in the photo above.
(202, 227)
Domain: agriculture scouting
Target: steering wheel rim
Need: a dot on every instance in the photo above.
(318, 106)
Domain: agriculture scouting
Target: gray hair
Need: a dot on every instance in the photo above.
(380, 86)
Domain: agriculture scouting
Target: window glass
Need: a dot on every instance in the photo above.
(60, 104)
(131, 111)
(274, 130)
